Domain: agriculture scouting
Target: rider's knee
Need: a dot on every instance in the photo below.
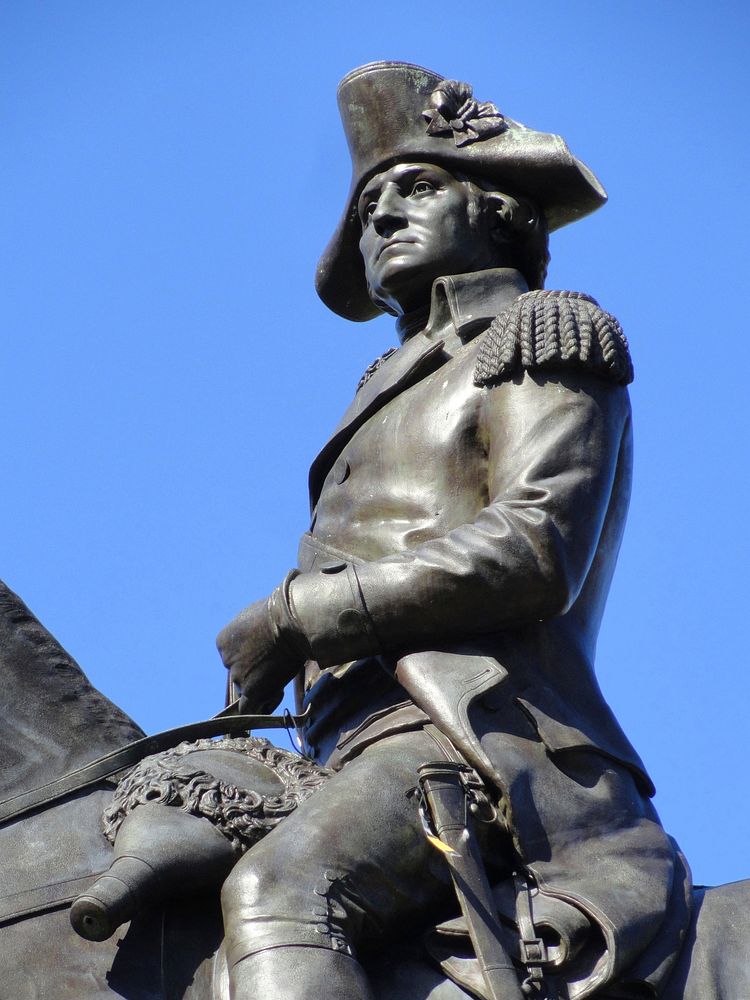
(251, 881)
(268, 905)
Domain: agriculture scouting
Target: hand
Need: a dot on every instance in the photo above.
(262, 652)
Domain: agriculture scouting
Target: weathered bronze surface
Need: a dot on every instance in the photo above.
(441, 625)
(467, 514)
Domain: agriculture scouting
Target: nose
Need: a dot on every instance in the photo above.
(389, 214)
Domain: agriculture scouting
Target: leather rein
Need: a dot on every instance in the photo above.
(55, 895)
(132, 753)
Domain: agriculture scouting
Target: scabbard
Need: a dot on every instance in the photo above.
(444, 792)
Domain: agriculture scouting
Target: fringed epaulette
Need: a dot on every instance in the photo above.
(548, 330)
(373, 367)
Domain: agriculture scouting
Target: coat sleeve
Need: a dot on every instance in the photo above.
(553, 444)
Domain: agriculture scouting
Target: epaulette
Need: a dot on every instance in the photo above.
(546, 330)
(373, 367)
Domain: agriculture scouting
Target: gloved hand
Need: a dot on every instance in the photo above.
(264, 648)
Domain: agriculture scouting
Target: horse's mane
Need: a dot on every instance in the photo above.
(53, 719)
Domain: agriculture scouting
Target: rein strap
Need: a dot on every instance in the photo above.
(104, 767)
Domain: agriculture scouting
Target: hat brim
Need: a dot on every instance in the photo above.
(519, 161)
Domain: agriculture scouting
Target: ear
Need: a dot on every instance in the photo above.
(509, 215)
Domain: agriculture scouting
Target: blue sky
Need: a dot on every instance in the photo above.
(170, 174)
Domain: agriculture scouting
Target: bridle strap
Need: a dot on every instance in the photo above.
(108, 765)
(55, 896)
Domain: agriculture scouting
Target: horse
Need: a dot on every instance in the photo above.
(57, 728)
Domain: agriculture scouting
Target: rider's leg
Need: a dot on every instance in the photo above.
(300, 972)
(349, 865)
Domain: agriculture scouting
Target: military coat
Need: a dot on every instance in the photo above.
(467, 515)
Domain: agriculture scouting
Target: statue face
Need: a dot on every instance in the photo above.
(419, 222)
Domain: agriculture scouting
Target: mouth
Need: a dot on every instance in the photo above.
(392, 243)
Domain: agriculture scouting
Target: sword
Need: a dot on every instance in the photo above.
(445, 789)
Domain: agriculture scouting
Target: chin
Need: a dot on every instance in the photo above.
(404, 278)
(404, 297)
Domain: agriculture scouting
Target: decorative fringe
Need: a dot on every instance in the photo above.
(546, 330)
(373, 367)
(242, 815)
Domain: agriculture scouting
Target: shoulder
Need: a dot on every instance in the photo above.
(553, 331)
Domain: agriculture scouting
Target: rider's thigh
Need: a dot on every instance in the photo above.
(356, 844)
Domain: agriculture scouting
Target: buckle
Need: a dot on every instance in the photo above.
(470, 779)
(534, 952)
(477, 800)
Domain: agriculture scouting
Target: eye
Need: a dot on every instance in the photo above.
(366, 211)
(423, 187)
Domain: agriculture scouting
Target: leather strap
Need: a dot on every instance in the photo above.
(533, 949)
(446, 746)
(104, 767)
(30, 902)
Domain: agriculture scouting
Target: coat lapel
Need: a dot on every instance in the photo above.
(411, 363)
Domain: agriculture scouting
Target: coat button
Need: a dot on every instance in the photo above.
(350, 622)
(341, 470)
(332, 567)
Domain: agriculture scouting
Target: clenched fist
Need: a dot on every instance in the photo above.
(263, 648)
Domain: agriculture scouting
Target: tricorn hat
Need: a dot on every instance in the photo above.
(396, 112)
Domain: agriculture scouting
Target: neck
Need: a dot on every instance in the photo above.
(412, 322)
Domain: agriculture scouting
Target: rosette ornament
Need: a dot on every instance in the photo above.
(453, 109)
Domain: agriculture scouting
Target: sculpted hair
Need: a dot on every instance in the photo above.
(523, 230)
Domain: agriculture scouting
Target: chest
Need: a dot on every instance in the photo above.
(415, 469)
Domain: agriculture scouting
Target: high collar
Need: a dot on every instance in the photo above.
(464, 304)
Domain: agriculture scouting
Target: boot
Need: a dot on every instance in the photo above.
(298, 973)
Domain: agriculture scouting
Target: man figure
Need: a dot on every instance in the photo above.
(467, 514)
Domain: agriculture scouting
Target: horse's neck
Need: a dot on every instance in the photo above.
(54, 720)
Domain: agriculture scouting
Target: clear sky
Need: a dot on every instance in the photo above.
(170, 173)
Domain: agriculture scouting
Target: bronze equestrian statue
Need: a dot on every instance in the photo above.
(440, 627)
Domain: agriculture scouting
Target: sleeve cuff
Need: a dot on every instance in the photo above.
(329, 606)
